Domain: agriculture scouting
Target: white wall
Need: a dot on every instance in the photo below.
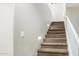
(73, 14)
(6, 29)
(58, 11)
(33, 20)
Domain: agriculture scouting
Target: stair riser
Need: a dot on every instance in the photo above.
(56, 29)
(59, 25)
(54, 46)
(49, 54)
(55, 36)
(57, 41)
(55, 32)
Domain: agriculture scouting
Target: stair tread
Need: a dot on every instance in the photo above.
(57, 25)
(54, 43)
(55, 35)
(47, 54)
(55, 38)
(53, 50)
(54, 27)
(55, 32)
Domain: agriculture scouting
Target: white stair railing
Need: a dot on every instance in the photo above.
(72, 38)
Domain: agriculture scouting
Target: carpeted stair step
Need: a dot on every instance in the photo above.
(57, 23)
(53, 40)
(51, 54)
(55, 32)
(56, 29)
(55, 36)
(54, 45)
(53, 51)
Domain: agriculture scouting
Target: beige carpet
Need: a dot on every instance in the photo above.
(55, 42)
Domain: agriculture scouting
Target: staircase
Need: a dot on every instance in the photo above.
(55, 42)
